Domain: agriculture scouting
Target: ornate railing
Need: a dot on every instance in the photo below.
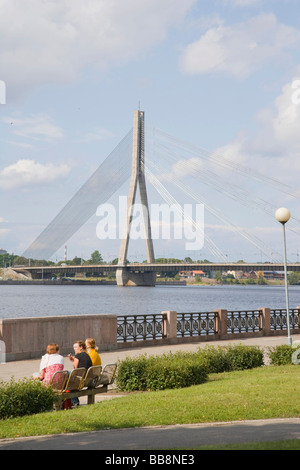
(244, 321)
(140, 327)
(196, 324)
(133, 328)
(278, 319)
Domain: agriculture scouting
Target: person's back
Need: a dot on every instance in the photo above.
(92, 351)
(51, 362)
(96, 360)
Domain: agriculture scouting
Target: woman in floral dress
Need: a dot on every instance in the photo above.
(51, 362)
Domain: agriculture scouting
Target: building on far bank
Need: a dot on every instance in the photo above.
(273, 275)
(254, 275)
(191, 274)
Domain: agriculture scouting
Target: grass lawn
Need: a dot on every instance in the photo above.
(263, 393)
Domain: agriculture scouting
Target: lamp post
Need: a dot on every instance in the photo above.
(283, 215)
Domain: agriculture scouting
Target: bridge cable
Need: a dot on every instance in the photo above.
(103, 183)
(227, 163)
(216, 252)
(219, 184)
(199, 199)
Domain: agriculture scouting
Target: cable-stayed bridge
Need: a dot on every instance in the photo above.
(128, 159)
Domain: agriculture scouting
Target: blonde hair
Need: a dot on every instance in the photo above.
(92, 343)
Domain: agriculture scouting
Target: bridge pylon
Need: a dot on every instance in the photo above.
(123, 275)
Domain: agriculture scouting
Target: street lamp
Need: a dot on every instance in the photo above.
(283, 215)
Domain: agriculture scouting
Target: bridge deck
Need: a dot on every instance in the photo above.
(144, 267)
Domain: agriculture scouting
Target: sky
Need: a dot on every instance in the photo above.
(222, 77)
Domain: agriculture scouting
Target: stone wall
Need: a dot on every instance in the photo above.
(27, 338)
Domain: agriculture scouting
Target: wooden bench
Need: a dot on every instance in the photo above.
(80, 383)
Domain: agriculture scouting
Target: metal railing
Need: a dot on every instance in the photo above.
(140, 327)
(197, 324)
(132, 328)
(278, 319)
(244, 321)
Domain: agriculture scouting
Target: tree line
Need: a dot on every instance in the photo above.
(7, 260)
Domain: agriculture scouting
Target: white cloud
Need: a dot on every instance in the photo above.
(48, 41)
(97, 134)
(274, 149)
(182, 169)
(35, 127)
(241, 49)
(26, 173)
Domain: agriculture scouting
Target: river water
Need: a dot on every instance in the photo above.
(19, 301)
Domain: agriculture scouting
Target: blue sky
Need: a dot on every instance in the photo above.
(217, 74)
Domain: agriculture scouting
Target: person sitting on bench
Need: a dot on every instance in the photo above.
(80, 360)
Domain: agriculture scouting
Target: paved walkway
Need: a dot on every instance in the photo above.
(163, 437)
(157, 437)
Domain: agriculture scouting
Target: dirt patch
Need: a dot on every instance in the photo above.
(9, 273)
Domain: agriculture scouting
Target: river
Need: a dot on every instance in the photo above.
(19, 301)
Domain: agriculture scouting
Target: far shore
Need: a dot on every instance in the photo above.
(205, 282)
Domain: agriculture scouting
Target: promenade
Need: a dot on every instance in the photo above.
(21, 369)
(156, 437)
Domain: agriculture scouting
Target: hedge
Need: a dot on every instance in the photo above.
(160, 372)
(183, 369)
(283, 354)
(230, 358)
(24, 397)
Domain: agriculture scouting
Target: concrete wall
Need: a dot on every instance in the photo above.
(27, 338)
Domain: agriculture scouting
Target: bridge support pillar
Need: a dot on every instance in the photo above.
(124, 276)
(127, 278)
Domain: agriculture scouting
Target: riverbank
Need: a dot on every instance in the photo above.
(10, 277)
(78, 282)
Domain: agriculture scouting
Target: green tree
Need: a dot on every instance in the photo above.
(77, 261)
(96, 258)
(261, 280)
(294, 278)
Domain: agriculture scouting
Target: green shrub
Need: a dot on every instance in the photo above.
(160, 372)
(177, 370)
(242, 357)
(214, 359)
(24, 397)
(183, 369)
(131, 373)
(281, 355)
(230, 358)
